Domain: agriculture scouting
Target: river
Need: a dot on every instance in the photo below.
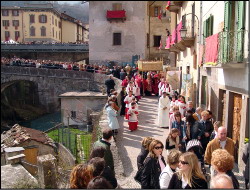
(44, 122)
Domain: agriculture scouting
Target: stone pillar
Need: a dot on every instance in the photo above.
(47, 171)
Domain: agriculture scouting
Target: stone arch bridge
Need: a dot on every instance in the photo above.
(53, 82)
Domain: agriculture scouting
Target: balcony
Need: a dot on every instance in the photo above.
(116, 15)
(172, 7)
(178, 3)
(227, 50)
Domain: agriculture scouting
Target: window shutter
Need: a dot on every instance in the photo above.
(227, 27)
(39, 18)
(45, 18)
(240, 30)
(151, 11)
(227, 15)
(159, 11)
(211, 23)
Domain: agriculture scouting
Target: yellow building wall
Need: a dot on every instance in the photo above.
(49, 27)
(86, 33)
(11, 28)
(69, 31)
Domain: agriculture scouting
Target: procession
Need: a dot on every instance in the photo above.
(199, 155)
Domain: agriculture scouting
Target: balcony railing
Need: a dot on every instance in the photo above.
(116, 15)
(178, 3)
(172, 7)
(231, 49)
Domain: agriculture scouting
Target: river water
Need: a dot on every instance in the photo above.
(44, 122)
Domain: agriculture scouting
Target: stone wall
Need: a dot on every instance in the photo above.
(53, 82)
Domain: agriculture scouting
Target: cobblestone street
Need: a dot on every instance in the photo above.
(128, 144)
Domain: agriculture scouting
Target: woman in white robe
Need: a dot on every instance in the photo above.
(163, 110)
(112, 116)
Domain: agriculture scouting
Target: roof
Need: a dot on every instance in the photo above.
(83, 94)
(18, 134)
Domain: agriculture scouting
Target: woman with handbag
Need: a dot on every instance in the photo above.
(153, 166)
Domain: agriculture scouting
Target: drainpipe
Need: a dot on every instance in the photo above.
(149, 29)
(200, 40)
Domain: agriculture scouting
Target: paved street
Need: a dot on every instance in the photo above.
(129, 143)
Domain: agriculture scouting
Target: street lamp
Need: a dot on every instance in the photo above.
(183, 32)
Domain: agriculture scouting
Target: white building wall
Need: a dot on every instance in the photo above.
(133, 32)
(186, 58)
(237, 78)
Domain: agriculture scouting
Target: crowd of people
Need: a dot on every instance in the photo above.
(194, 141)
(41, 42)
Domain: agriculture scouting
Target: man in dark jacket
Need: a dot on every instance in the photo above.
(110, 84)
(207, 127)
(107, 135)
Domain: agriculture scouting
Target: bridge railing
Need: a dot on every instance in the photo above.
(45, 47)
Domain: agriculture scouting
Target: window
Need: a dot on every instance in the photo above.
(60, 24)
(117, 6)
(6, 23)
(7, 35)
(32, 31)
(43, 19)
(56, 34)
(43, 31)
(188, 70)
(32, 18)
(156, 11)
(157, 41)
(17, 35)
(5, 12)
(53, 20)
(59, 35)
(117, 39)
(15, 12)
(53, 32)
(73, 114)
(56, 22)
(15, 22)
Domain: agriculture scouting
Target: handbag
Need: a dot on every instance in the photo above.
(138, 174)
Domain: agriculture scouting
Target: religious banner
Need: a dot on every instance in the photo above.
(173, 78)
(150, 65)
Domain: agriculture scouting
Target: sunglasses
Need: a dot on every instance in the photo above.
(158, 147)
(183, 163)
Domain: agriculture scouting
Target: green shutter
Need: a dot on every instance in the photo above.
(204, 29)
(227, 27)
(211, 22)
(240, 30)
(207, 27)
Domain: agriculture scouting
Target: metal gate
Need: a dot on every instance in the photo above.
(79, 144)
(237, 107)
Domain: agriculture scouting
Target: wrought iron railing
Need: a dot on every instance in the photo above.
(192, 28)
(231, 47)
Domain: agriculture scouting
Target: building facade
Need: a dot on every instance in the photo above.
(224, 72)
(39, 22)
(12, 24)
(185, 15)
(118, 31)
(211, 46)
